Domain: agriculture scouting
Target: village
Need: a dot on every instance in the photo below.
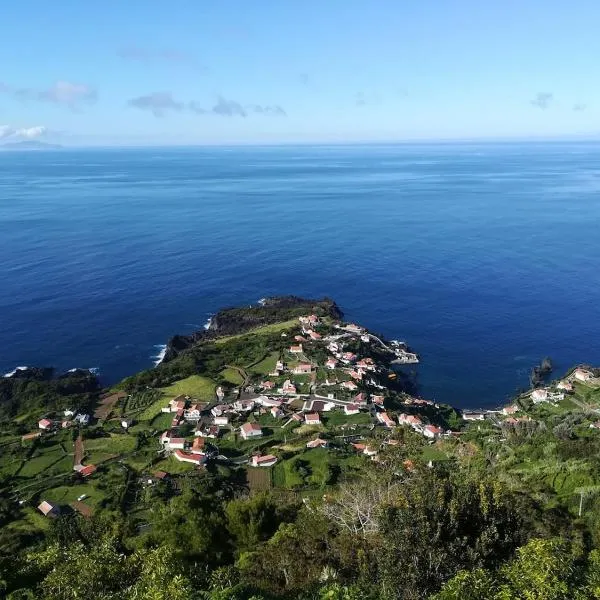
(326, 394)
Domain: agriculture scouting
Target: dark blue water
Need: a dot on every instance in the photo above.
(483, 257)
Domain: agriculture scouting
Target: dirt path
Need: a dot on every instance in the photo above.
(106, 405)
(78, 457)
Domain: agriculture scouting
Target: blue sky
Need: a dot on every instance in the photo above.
(193, 71)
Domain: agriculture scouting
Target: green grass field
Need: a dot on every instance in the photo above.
(162, 421)
(67, 494)
(266, 365)
(99, 449)
(44, 459)
(32, 521)
(232, 376)
(173, 466)
(336, 418)
(265, 329)
(308, 468)
(195, 386)
(433, 453)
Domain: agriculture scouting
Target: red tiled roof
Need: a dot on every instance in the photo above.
(265, 458)
(87, 471)
(248, 427)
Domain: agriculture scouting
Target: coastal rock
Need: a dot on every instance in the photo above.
(234, 321)
(32, 373)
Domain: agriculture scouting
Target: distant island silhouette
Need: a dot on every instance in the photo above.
(29, 145)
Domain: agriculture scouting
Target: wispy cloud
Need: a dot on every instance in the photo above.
(24, 133)
(579, 107)
(63, 93)
(158, 103)
(274, 110)
(304, 78)
(165, 55)
(543, 100)
(228, 108)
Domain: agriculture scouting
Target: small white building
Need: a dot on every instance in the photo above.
(172, 443)
(351, 409)
(251, 430)
(431, 431)
(276, 412)
(566, 386)
(268, 460)
(539, 395)
(473, 416)
(385, 419)
(82, 418)
(196, 458)
(222, 420)
(312, 419)
(583, 375)
(243, 405)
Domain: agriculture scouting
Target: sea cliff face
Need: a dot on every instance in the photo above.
(233, 321)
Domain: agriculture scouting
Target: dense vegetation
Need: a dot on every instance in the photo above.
(505, 509)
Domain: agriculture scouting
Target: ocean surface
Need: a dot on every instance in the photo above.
(484, 258)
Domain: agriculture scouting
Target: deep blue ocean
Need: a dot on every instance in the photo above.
(484, 258)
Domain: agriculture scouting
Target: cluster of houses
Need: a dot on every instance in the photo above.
(69, 418)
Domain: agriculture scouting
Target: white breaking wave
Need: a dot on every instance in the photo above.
(92, 370)
(262, 301)
(15, 370)
(158, 358)
(208, 323)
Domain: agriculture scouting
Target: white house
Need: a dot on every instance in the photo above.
(312, 419)
(172, 443)
(413, 420)
(196, 458)
(251, 430)
(243, 405)
(222, 420)
(583, 375)
(473, 416)
(288, 387)
(539, 395)
(317, 443)
(385, 419)
(351, 409)
(302, 369)
(177, 404)
(566, 386)
(431, 431)
(82, 418)
(276, 412)
(45, 424)
(48, 509)
(218, 410)
(264, 461)
(349, 385)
